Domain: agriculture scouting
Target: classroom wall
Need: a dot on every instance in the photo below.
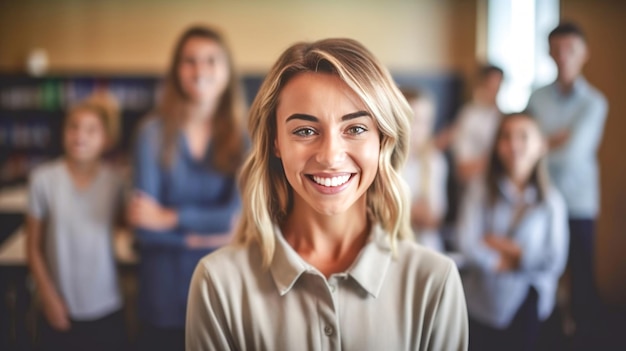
(138, 35)
(603, 22)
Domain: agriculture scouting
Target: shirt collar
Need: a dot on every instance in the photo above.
(579, 87)
(529, 195)
(368, 270)
(371, 265)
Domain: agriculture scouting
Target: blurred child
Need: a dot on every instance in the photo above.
(513, 232)
(73, 204)
(426, 173)
(475, 128)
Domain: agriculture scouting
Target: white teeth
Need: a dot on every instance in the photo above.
(331, 182)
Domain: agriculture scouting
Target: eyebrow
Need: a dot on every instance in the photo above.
(309, 118)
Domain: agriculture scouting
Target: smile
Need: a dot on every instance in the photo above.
(331, 182)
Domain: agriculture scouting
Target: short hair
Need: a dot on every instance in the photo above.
(487, 69)
(567, 28)
(105, 106)
(268, 196)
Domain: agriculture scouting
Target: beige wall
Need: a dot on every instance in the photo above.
(605, 26)
(137, 35)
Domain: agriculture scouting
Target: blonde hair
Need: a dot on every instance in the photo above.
(267, 193)
(104, 105)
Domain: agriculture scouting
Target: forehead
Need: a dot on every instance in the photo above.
(197, 44)
(84, 116)
(567, 39)
(520, 123)
(317, 93)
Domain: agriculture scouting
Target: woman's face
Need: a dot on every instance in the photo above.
(84, 137)
(328, 143)
(520, 146)
(203, 70)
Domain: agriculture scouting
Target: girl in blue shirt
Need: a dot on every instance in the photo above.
(185, 197)
(513, 232)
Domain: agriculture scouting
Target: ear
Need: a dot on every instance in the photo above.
(275, 148)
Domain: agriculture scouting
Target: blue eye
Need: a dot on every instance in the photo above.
(304, 132)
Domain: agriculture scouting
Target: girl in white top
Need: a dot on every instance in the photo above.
(324, 257)
(74, 202)
(426, 173)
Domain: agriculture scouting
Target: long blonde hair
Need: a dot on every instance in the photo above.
(267, 194)
(228, 126)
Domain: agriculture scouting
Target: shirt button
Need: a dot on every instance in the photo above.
(328, 330)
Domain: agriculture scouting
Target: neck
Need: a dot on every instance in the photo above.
(200, 113)
(566, 84)
(330, 243)
(520, 181)
(482, 98)
(82, 167)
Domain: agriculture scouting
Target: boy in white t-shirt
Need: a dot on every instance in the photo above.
(73, 204)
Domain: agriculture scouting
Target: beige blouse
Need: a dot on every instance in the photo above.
(413, 301)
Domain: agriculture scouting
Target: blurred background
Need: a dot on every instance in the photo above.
(52, 52)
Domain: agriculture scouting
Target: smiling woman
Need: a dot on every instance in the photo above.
(323, 258)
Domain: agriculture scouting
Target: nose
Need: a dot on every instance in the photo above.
(331, 151)
(206, 67)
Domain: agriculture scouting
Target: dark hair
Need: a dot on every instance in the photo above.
(485, 70)
(496, 170)
(567, 28)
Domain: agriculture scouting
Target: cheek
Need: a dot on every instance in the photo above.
(183, 74)
(369, 156)
(98, 138)
(504, 151)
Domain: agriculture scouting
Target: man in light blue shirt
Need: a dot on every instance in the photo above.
(571, 113)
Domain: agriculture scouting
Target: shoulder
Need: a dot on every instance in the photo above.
(150, 127)
(539, 95)
(112, 175)
(468, 111)
(426, 267)
(48, 170)
(595, 96)
(542, 92)
(554, 199)
(231, 264)
(438, 158)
